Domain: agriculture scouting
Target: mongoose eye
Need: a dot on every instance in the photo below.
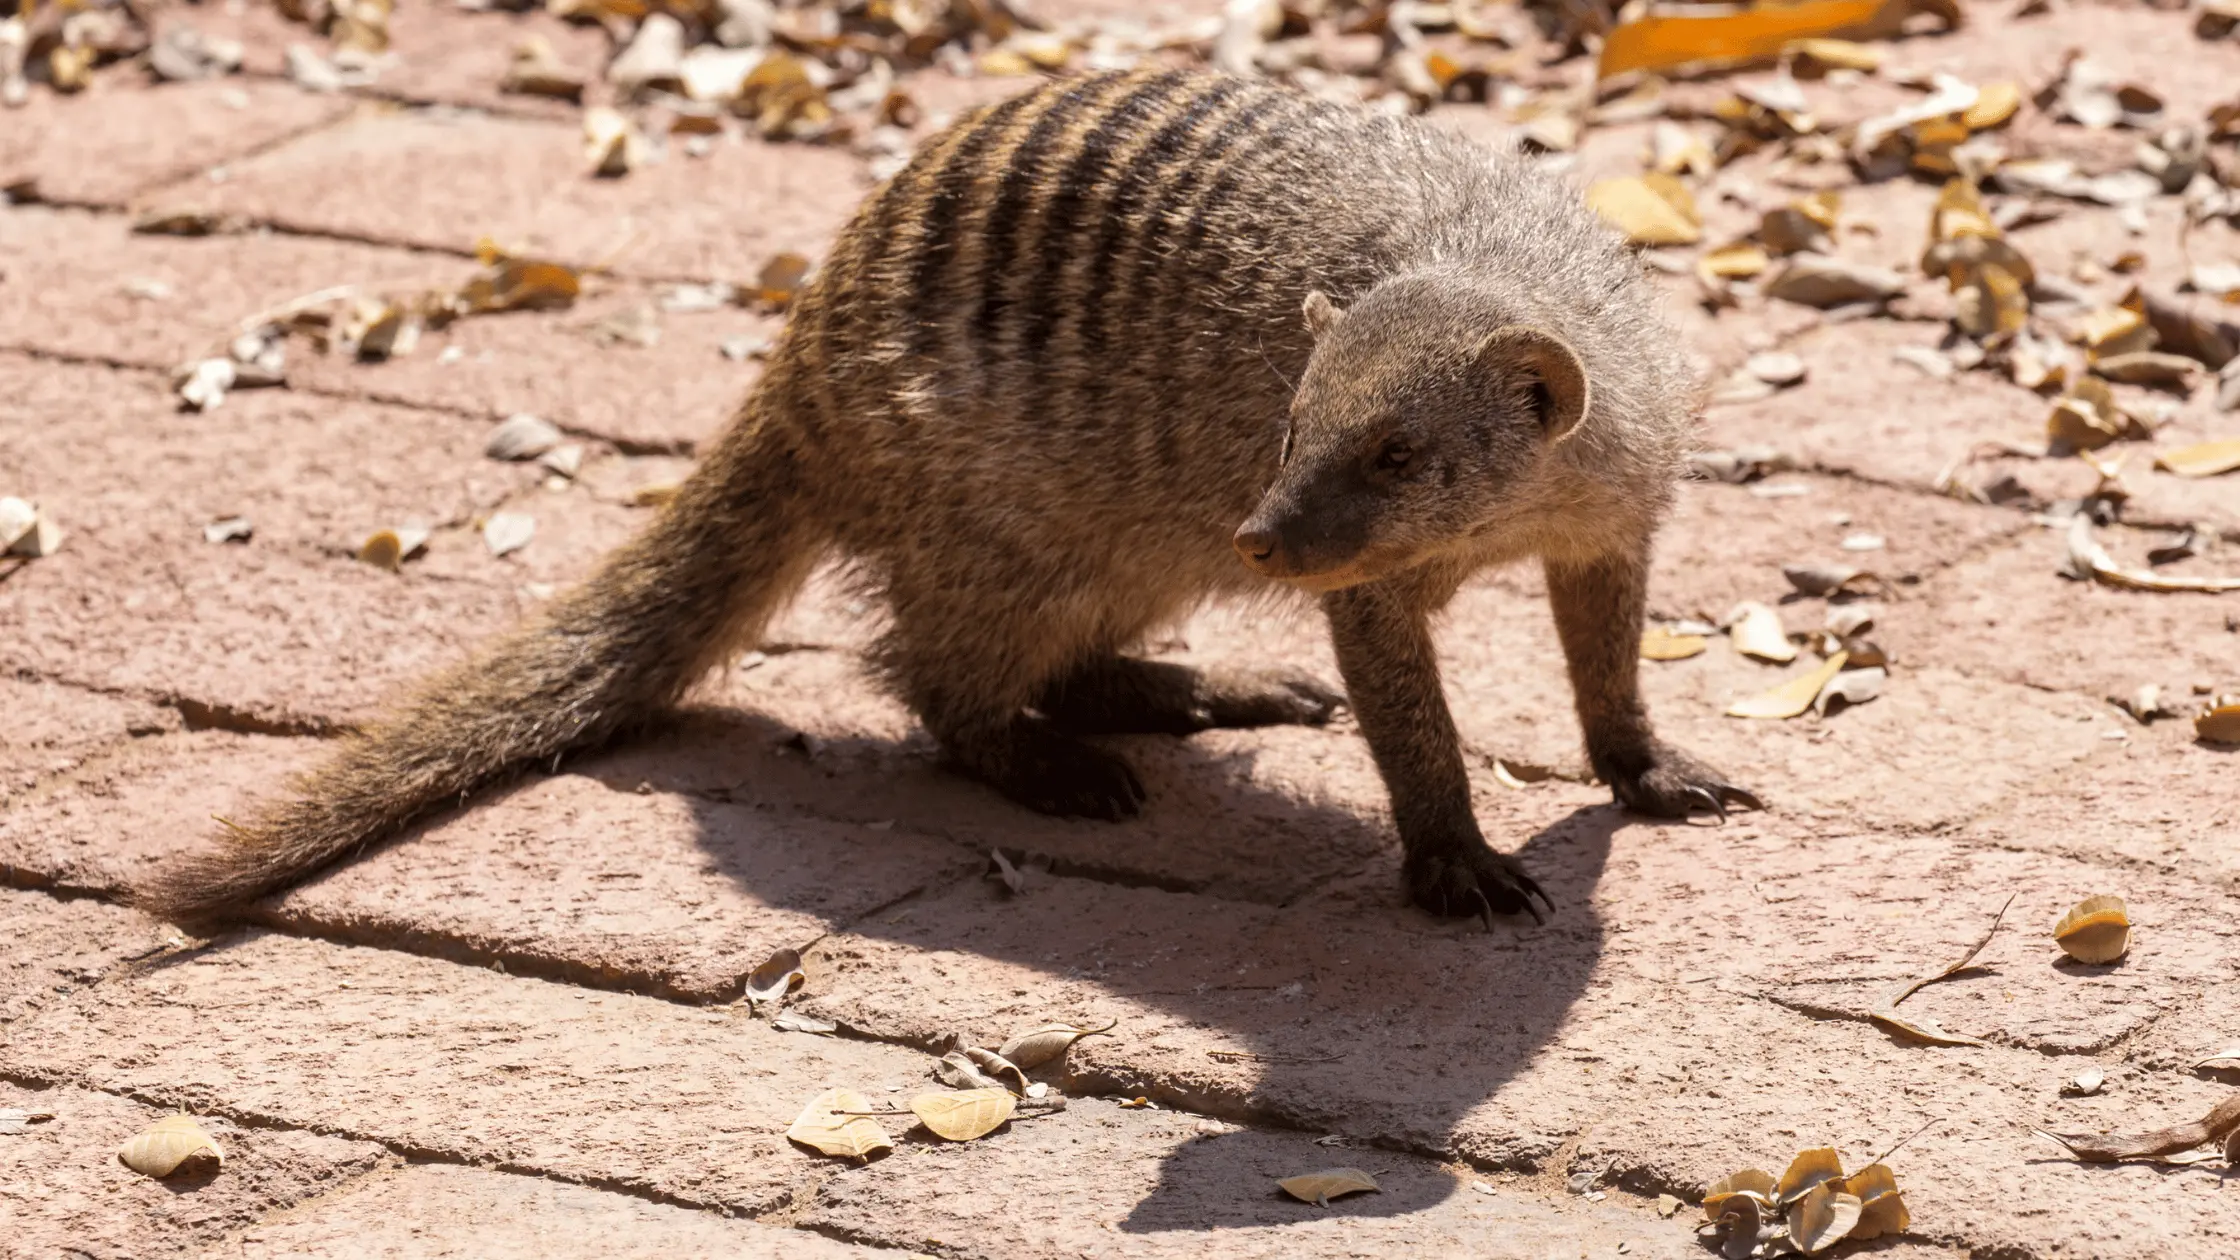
(1395, 456)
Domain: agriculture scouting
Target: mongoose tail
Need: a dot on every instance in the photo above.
(698, 583)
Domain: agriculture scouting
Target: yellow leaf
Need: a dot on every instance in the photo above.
(1822, 1219)
(2095, 930)
(1839, 54)
(1652, 209)
(1883, 1209)
(1039, 1046)
(2220, 725)
(1660, 644)
(824, 1126)
(1738, 261)
(1758, 632)
(1807, 1170)
(1995, 104)
(1657, 42)
(1320, 1187)
(383, 551)
(1750, 1181)
(164, 1147)
(963, 1115)
(1792, 697)
(2208, 459)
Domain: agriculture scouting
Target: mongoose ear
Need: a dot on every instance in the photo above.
(1322, 313)
(1558, 378)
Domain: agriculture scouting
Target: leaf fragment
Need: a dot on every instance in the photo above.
(1806, 1171)
(1820, 281)
(2106, 1148)
(965, 1114)
(1035, 1047)
(522, 436)
(18, 1119)
(507, 532)
(1793, 697)
(2095, 930)
(2219, 724)
(825, 1126)
(1319, 1188)
(1756, 630)
(1822, 579)
(1650, 209)
(231, 529)
(795, 1021)
(1822, 1218)
(1882, 1206)
(1852, 686)
(2205, 459)
(27, 532)
(2087, 558)
(1657, 41)
(1886, 1013)
(775, 977)
(168, 1145)
(1659, 643)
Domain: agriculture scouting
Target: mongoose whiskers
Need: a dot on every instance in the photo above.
(1041, 397)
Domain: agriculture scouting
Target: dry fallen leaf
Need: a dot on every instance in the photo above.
(2088, 418)
(522, 436)
(2095, 930)
(519, 284)
(2225, 1060)
(2084, 1084)
(1887, 1015)
(17, 1119)
(795, 1021)
(1807, 1170)
(2087, 558)
(2207, 459)
(1822, 1218)
(612, 144)
(508, 532)
(168, 1145)
(1651, 209)
(1817, 579)
(1034, 1048)
(1882, 1206)
(26, 531)
(957, 1070)
(231, 529)
(781, 278)
(1793, 697)
(538, 71)
(2219, 724)
(997, 1069)
(965, 1114)
(1319, 1188)
(2107, 1148)
(1756, 630)
(777, 976)
(1750, 1182)
(825, 1125)
(1820, 281)
(1659, 643)
(1657, 41)
(1852, 686)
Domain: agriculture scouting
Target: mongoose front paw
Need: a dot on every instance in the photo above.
(1467, 878)
(1267, 697)
(1668, 783)
(1061, 776)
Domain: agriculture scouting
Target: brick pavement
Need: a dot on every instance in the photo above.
(516, 1033)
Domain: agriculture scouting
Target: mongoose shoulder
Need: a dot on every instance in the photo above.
(1099, 352)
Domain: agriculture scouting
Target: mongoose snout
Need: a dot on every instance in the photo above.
(1103, 351)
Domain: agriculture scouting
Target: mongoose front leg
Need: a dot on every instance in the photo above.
(1599, 610)
(1383, 637)
(1124, 695)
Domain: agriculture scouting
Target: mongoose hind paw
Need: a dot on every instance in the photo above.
(1668, 783)
(1269, 697)
(1053, 774)
(1471, 879)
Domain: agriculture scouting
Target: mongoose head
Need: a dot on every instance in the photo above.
(1423, 416)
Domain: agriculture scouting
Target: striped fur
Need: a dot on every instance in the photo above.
(1041, 381)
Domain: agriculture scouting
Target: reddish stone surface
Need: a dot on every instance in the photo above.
(457, 1039)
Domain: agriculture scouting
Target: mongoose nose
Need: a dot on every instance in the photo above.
(1257, 546)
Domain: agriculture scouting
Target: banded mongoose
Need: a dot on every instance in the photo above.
(1102, 351)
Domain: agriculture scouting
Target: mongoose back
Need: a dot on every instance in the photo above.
(1100, 352)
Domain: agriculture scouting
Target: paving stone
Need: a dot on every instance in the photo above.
(53, 729)
(289, 628)
(441, 1210)
(101, 826)
(67, 1194)
(58, 947)
(2009, 615)
(1157, 1183)
(70, 273)
(464, 1064)
(656, 892)
(523, 184)
(123, 137)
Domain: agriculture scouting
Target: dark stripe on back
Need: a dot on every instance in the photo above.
(947, 186)
(1079, 192)
(1124, 228)
(1023, 178)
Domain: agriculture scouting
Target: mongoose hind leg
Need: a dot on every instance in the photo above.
(1125, 695)
(969, 671)
(1599, 611)
(1382, 633)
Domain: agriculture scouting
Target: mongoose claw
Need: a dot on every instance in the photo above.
(1667, 783)
(1471, 880)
